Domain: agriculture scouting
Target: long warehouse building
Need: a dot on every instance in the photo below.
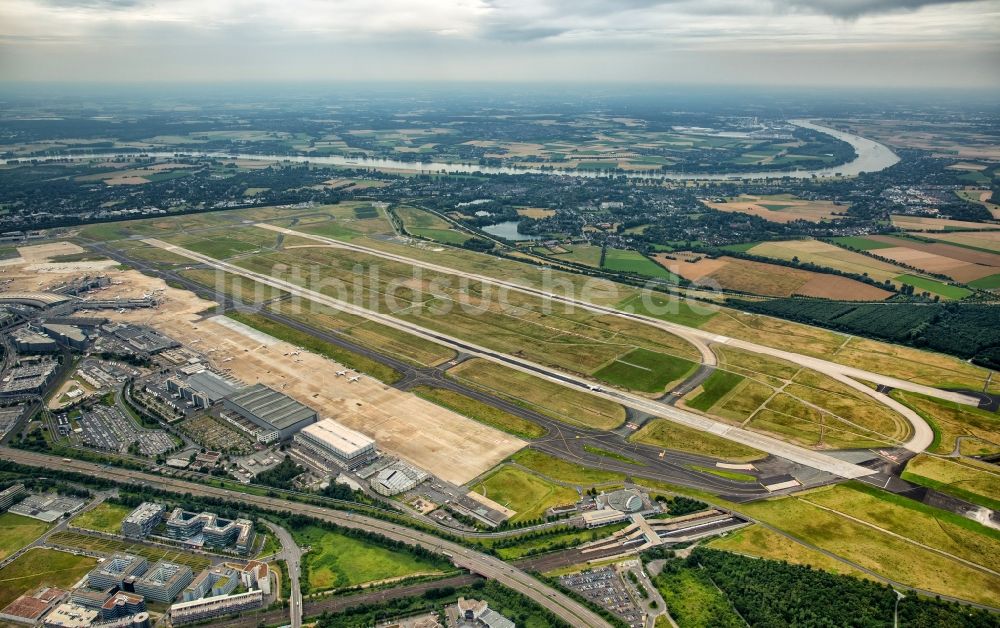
(337, 444)
(278, 415)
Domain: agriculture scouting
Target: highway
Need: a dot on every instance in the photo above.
(487, 566)
(922, 434)
(794, 453)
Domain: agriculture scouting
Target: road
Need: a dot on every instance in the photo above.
(292, 555)
(922, 434)
(487, 566)
(799, 455)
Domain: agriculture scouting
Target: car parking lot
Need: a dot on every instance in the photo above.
(605, 587)
(109, 429)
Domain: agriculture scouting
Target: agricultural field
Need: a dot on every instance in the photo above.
(825, 254)
(762, 542)
(735, 274)
(626, 261)
(548, 398)
(953, 139)
(934, 287)
(974, 481)
(670, 435)
(17, 531)
(41, 567)
(781, 208)
(870, 547)
(926, 224)
(528, 495)
(479, 411)
(645, 371)
(75, 540)
(427, 225)
(985, 240)
(337, 561)
(535, 212)
(561, 471)
(105, 517)
(582, 254)
(960, 263)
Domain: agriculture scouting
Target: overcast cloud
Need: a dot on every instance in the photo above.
(926, 43)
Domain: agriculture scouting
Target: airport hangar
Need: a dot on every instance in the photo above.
(278, 415)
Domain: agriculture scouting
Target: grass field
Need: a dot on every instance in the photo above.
(562, 471)
(597, 451)
(971, 480)
(548, 398)
(529, 495)
(336, 561)
(724, 473)
(627, 261)
(940, 288)
(106, 517)
(645, 370)
(756, 540)
(883, 553)
(930, 526)
(39, 567)
(861, 244)
(583, 254)
(17, 531)
(478, 411)
(426, 225)
(951, 420)
(670, 435)
(75, 540)
(987, 283)
(690, 313)
(718, 385)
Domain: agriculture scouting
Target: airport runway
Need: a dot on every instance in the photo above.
(922, 434)
(796, 454)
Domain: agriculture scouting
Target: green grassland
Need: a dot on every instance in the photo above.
(645, 370)
(670, 435)
(890, 556)
(950, 420)
(971, 480)
(724, 473)
(922, 284)
(426, 225)
(105, 517)
(627, 261)
(38, 567)
(478, 411)
(529, 495)
(762, 542)
(562, 471)
(337, 561)
(862, 244)
(548, 398)
(597, 451)
(717, 386)
(17, 531)
(582, 254)
(991, 282)
(672, 309)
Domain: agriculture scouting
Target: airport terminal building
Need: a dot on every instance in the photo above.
(278, 415)
(337, 444)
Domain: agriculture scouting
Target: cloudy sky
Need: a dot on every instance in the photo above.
(921, 43)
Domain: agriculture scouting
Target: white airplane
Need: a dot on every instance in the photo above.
(341, 373)
(354, 379)
(594, 388)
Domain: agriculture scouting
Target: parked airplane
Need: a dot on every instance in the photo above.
(354, 379)
(341, 373)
